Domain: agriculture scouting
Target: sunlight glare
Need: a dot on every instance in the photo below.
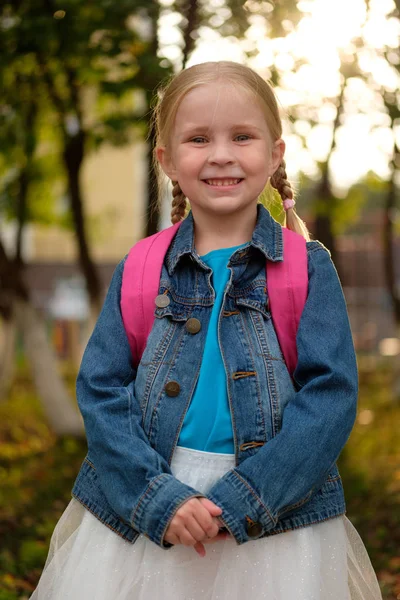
(216, 48)
(380, 31)
(354, 144)
(313, 82)
(309, 59)
(383, 73)
(327, 113)
(298, 159)
(319, 141)
(383, 139)
(381, 6)
(326, 28)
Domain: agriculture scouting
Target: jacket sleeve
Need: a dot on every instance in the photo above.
(135, 479)
(316, 423)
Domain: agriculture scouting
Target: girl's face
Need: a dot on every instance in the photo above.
(221, 151)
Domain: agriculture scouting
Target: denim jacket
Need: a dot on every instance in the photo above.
(288, 432)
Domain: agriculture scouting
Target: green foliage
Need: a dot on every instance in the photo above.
(367, 196)
(36, 476)
(29, 148)
(370, 469)
(347, 210)
(271, 199)
(32, 553)
(57, 59)
(63, 61)
(8, 594)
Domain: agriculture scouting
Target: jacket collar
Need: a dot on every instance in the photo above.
(267, 237)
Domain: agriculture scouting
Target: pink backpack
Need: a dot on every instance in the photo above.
(287, 290)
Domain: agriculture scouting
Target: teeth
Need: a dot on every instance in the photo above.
(221, 182)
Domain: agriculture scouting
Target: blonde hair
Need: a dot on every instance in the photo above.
(172, 95)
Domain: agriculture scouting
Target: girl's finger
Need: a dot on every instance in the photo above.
(212, 508)
(186, 538)
(208, 523)
(196, 529)
(199, 547)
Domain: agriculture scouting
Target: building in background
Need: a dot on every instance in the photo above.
(113, 181)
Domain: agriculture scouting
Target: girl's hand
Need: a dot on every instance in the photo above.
(220, 537)
(195, 522)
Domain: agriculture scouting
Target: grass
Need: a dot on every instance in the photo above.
(37, 471)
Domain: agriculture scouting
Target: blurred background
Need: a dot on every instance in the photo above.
(77, 189)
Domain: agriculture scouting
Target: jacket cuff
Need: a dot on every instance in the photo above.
(157, 506)
(243, 512)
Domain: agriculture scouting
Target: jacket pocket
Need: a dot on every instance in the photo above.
(293, 507)
(328, 489)
(88, 492)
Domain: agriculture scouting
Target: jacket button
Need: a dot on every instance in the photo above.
(172, 388)
(254, 529)
(193, 325)
(162, 301)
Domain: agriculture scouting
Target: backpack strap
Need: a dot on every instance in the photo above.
(287, 284)
(140, 285)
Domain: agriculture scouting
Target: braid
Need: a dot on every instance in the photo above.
(178, 203)
(280, 182)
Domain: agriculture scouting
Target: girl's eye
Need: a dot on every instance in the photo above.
(242, 137)
(198, 139)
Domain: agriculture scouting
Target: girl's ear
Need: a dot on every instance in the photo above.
(278, 152)
(166, 163)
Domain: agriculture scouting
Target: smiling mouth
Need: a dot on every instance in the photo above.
(222, 182)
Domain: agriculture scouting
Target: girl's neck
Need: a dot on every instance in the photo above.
(224, 232)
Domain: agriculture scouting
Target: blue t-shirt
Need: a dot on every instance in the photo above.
(207, 425)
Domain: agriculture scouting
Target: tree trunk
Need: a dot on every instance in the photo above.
(323, 220)
(73, 154)
(388, 245)
(15, 304)
(153, 200)
(396, 373)
(61, 414)
(7, 356)
(325, 198)
(29, 147)
(389, 261)
(73, 158)
(188, 40)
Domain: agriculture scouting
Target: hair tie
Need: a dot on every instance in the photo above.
(288, 203)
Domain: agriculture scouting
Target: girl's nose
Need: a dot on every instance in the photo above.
(221, 153)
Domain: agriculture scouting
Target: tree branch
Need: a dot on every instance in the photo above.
(192, 16)
(29, 150)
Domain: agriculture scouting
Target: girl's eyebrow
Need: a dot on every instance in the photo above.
(193, 128)
(247, 126)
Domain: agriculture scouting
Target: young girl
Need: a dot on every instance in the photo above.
(210, 471)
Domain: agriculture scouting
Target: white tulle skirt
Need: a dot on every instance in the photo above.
(88, 561)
